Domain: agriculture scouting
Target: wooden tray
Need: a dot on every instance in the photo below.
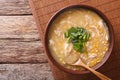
(44, 9)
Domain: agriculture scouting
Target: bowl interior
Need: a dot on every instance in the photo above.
(111, 38)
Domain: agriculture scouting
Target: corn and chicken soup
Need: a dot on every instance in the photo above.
(78, 33)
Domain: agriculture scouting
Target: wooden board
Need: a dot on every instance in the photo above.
(21, 51)
(19, 40)
(44, 9)
(14, 7)
(25, 72)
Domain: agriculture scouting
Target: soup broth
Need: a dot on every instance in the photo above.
(96, 46)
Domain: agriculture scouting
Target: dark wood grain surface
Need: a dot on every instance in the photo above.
(44, 9)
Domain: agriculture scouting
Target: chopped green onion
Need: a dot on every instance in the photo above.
(78, 37)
